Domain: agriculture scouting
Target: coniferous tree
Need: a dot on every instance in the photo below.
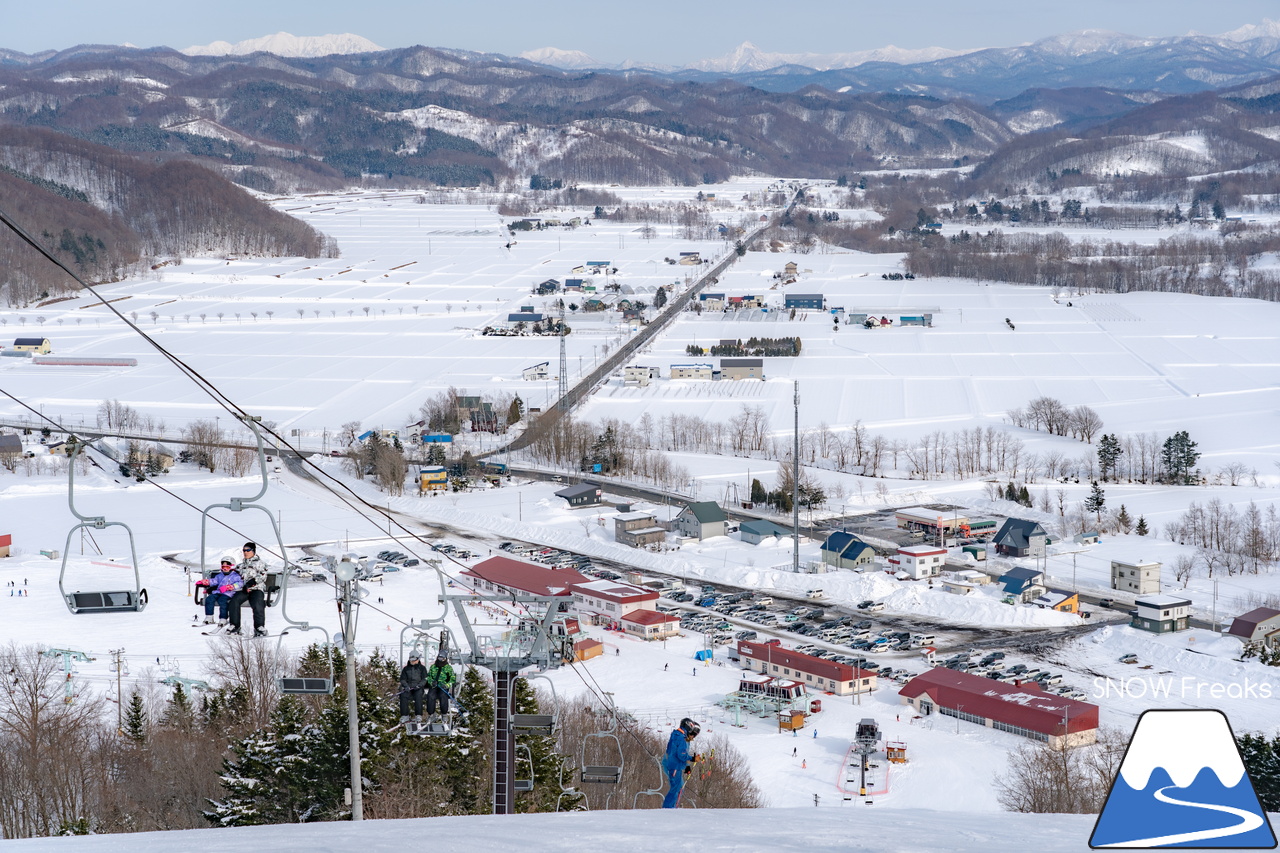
(660, 297)
(1024, 496)
(1095, 501)
(758, 493)
(464, 763)
(1123, 520)
(1179, 456)
(135, 720)
(1109, 451)
(1141, 529)
(435, 455)
(267, 779)
(178, 713)
(515, 411)
(1262, 759)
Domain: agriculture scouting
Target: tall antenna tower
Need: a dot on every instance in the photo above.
(564, 362)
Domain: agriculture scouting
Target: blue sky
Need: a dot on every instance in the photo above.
(667, 31)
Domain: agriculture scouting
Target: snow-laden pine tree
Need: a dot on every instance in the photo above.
(266, 779)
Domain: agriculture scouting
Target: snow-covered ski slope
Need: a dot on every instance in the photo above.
(681, 831)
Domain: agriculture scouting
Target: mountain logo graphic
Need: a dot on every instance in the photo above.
(1182, 783)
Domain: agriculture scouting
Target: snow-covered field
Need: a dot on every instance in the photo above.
(431, 276)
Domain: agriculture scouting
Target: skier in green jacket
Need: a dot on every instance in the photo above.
(440, 681)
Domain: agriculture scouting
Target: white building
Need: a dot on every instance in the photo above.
(537, 372)
(639, 376)
(703, 372)
(1137, 578)
(919, 561)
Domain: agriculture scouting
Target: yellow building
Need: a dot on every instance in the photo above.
(434, 479)
(36, 345)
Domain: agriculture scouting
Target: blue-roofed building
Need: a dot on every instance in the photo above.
(524, 317)
(846, 551)
(758, 530)
(1023, 584)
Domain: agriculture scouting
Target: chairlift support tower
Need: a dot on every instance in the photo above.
(521, 649)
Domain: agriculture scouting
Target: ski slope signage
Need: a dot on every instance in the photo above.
(1182, 783)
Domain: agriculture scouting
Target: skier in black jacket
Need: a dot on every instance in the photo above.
(413, 679)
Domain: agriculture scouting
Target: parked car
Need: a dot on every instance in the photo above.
(863, 605)
(1129, 658)
(1106, 602)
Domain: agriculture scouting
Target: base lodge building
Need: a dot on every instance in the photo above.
(815, 673)
(1020, 708)
(620, 605)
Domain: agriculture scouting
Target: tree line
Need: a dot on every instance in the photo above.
(242, 754)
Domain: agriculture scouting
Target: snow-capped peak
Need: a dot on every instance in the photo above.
(1183, 743)
(1267, 29)
(558, 58)
(285, 44)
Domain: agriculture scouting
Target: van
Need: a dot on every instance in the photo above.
(875, 607)
(764, 601)
(815, 594)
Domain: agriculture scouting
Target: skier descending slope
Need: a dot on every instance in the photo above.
(679, 760)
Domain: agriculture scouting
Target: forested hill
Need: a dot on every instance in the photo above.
(105, 212)
(422, 115)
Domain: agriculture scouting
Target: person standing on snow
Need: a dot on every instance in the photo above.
(413, 679)
(679, 760)
(440, 681)
(222, 587)
(254, 591)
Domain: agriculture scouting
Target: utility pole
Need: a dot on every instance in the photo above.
(118, 654)
(345, 574)
(564, 363)
(795, 487)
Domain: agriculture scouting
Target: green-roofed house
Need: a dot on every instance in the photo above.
(701, 520)
(758, 530)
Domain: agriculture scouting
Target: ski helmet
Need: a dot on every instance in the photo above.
(415, 657)
(690, 727)
(227, 560)
(440, 658)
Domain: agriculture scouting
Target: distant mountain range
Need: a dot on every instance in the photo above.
(286, 44)
(284, 112)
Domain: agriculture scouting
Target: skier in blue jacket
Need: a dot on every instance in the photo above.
(678, 762)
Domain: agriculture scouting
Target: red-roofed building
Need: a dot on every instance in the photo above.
(813, 672)
(608, 601)
(1023, 709)
(650, 624)
(6, 541)
(505, 576)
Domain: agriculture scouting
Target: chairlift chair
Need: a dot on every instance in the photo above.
(538, 723)
(518, 784)
(651, 792)
(110, 601)
(608, 774)
(277, 578)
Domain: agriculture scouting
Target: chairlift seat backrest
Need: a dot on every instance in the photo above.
(522, 785)
(309, 686)
(536, 722)
(604, 774)
(107, 602)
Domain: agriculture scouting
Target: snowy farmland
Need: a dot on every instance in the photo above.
(315, 343)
